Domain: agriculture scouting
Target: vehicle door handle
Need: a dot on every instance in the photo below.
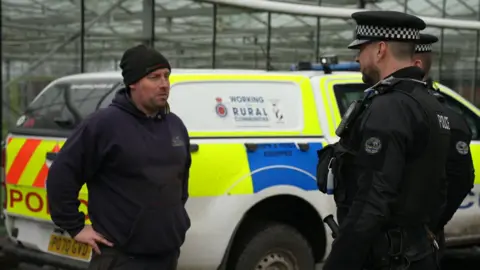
(194, 148)
(303, 146)
(51, 156)
(251, 147)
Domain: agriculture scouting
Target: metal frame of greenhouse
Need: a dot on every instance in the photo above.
(53, 38)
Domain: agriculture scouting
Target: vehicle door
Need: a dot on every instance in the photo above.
(336, 93)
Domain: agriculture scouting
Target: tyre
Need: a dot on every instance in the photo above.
(273, 247)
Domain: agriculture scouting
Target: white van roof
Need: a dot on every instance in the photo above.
(118, 74)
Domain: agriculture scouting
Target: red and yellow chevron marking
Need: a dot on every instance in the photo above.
(26, 172)
(26, 160)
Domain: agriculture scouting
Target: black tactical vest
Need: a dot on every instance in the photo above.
(424, 174)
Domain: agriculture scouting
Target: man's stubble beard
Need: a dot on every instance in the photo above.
(371, 76)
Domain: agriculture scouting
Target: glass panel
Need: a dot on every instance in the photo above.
(345, 94)
(63, 105)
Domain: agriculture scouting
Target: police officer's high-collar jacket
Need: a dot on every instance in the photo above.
(430, 84)
(399, 141)
(412, 72)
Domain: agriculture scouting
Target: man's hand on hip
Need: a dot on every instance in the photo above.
(90, 237)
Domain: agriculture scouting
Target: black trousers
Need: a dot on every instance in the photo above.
(112, 259)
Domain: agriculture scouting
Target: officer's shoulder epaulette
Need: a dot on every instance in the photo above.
(386, 102)
(386, 85)
(390, 97)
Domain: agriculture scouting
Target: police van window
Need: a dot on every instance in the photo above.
(472, 119)
(64, 105)
(238, 105)
(345, 94)
(108, 99)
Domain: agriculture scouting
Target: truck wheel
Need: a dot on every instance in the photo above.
(275, 246)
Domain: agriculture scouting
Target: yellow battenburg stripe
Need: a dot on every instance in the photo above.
(216, 168)
(475, 151)
(310, 115)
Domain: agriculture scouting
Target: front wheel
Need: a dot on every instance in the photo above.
(274, 247)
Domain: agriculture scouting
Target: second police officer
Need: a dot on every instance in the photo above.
(387, 175)
(459, 169)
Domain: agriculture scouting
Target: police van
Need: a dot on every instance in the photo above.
(254, 200)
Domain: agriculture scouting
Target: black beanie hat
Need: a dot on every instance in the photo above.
(139, 61)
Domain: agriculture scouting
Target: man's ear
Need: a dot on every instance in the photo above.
(381, 49)
(418, 63)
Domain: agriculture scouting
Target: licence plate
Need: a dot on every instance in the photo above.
(69, 247)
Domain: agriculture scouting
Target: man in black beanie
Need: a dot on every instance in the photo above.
(145, 73)
(135, 158)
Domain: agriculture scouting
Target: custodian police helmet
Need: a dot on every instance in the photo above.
(386, 26)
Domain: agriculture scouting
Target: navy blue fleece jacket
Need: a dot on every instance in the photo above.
(136, 169)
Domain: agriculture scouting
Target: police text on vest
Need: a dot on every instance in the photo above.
(443, 121)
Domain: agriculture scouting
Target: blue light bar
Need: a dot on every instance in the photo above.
(345, 66)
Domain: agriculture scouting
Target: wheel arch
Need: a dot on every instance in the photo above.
(285, 208)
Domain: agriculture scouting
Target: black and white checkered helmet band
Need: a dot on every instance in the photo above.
(382, 32)
(423, 48)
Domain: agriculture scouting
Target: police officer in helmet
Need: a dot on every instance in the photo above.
(459, 169)
(387, 178)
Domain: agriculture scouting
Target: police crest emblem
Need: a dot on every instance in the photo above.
(373, 145)
(220, 108)
(462, 147)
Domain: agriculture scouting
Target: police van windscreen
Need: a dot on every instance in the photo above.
(345, 94)
(62, 106)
